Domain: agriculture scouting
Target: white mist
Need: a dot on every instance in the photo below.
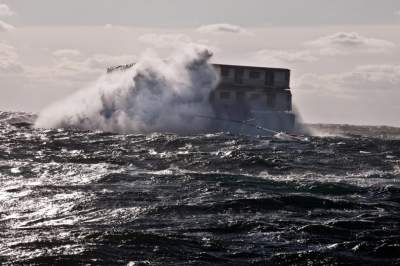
(155, 95)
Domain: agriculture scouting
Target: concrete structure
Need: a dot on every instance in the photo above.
(245, 93)
(254, 93)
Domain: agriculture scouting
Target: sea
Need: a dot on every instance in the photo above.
(71, 197)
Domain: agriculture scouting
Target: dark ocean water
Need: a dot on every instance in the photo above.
(93, 198)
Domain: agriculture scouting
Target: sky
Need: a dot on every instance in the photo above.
(344, 54)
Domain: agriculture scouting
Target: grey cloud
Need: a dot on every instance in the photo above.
(164, 40)
(5, 26)
(103, 61)
(367, 78)
(5, 11)
(69, 68)
(174, 40)
(366, 95)
(9, 60)
(66, 53)
(348, 42)
(222, 28)
(78, 68)
(302, 56)
(372, 78)
(341, 43)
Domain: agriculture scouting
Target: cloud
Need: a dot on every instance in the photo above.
(103, 61)
(222, 28)
(373, 78)
(95, 62)
(69, 70)
(340, 43)
(5, 27)
(165, 40)
(349, 42)
(366, 78)
(112, 27)
(175, 40)
(269, 55)
(365, 95)
(67, 53)
(397, 12)
(83, 69)
(5, 11)
(9, 60)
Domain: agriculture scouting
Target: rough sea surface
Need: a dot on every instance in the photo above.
(93, 198)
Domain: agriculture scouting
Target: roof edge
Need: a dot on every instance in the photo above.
(252, 67)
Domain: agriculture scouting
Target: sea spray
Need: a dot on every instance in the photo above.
(155, 95)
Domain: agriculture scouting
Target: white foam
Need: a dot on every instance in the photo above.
(155, 95)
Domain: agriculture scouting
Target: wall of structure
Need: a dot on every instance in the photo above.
(260, 94)
(251, 76)
(253, 88)
(256, 99)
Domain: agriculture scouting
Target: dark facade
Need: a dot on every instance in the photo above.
(257, 88)
(257, 93)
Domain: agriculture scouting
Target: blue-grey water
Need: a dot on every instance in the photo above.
(92, 198)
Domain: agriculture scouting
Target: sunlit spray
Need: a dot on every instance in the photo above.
(155, 95)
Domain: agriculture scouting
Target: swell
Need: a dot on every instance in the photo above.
(95, 198)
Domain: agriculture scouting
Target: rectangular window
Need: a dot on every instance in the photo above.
(240, 96)
(225, 72)
(269, 78)
(254, 74)
(224, 95)
(280, 78)
(239, 76)
(255, 97)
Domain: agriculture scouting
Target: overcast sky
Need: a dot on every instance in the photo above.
(344, 54)
(182, 13)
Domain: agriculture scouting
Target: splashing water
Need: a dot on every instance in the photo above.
(155, 95)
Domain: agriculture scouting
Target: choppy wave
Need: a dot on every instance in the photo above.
(95, 198)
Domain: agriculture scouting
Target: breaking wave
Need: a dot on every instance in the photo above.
(155, 95)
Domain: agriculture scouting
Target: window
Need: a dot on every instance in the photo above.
(240, 95)
(255, 96)
(280, 77)
(254, 74)
(287, 76)
(224, 95)
(269, 78)
(225, 72)
(239, 75)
